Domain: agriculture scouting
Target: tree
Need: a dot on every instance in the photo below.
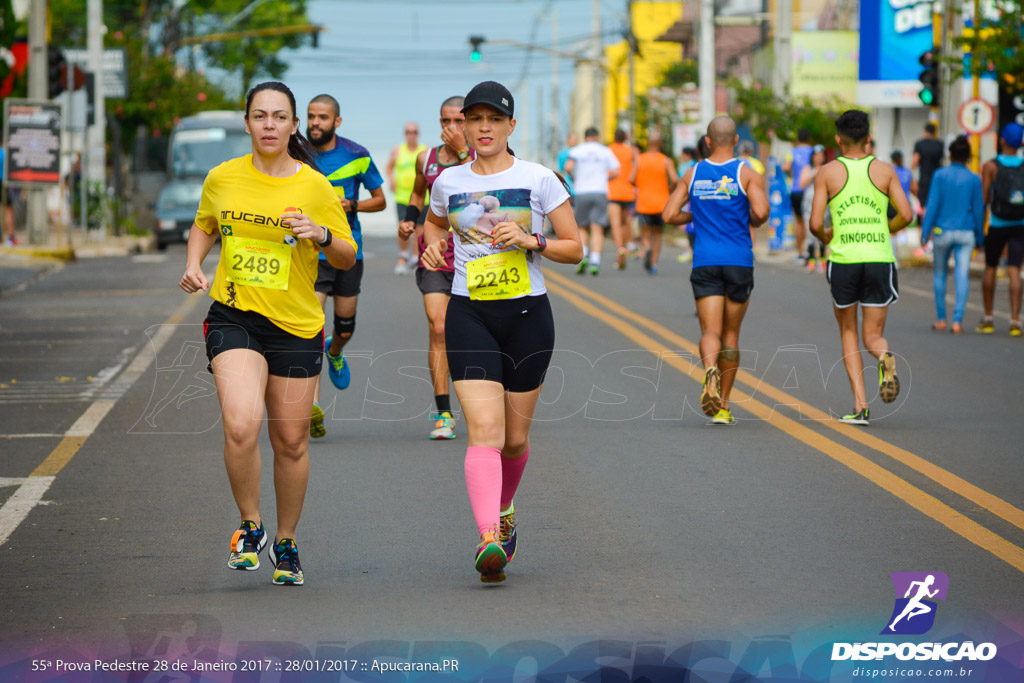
(999, 45)
(251, 57)
(164, 84)
(771, 115)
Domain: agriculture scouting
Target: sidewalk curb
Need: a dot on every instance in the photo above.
(124, 246)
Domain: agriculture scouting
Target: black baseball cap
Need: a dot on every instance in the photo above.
(491, 93)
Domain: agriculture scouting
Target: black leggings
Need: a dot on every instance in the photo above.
(509, 341)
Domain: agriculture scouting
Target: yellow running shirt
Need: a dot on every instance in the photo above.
(405, 172)
(263, 267)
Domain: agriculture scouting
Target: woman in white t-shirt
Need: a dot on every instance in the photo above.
(499, 330)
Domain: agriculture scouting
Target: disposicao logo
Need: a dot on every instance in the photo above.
(913, 614)
(914, 611)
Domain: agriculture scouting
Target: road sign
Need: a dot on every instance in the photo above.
(115, 71)
(976, 116)
(32, 141)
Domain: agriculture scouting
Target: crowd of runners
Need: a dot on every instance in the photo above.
(481, 221)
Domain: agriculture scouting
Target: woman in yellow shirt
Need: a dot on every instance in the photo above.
(274, 212)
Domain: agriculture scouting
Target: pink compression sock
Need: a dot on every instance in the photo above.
(511, 474)
(483, 482)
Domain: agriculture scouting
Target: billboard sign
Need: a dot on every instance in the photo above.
(32, 140)
(893, 36)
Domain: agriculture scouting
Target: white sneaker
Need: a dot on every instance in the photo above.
(401, 267)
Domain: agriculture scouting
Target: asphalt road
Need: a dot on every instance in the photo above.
(648, 537)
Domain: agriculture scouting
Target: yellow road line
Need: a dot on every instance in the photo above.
(943, 477)
(913, 496)
(85, 425)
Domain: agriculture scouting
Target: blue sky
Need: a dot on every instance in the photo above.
(392, 61)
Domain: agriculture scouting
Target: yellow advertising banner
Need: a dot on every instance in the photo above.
(825, 64)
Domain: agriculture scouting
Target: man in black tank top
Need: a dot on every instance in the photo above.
(436, 286)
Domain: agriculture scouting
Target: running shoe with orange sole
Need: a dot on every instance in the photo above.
(490, 560)
(710, 396)
(888, 382)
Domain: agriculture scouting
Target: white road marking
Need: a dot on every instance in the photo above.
(31, 490)
(17, 507)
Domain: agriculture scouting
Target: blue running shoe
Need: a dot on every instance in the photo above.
(337, 369)
(507, 532)
(246, 545)
(285, 556)
(490, 560)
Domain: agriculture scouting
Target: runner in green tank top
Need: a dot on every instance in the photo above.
(401, 172)
(857, 189)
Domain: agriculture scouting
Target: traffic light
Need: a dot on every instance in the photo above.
(929, 78)
(474, 41)
(56, 66)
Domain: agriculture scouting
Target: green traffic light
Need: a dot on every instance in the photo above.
(927, 96)
(474, 56)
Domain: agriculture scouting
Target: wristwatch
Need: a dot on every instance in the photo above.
(328, 238)
(354, 203)
(463, 155)
(542, 242)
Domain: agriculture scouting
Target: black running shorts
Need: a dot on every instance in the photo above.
(226, 328)
(869, 284)
(735, 282)
(342, 283)
(796, 201)
(651, 219)
(510, 342)
(1012, 238)
(434, 281)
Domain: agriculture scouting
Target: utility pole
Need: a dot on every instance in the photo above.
(783, 45)
(596, 65)
(38, 89)
(551, 153)
(706, 66)
(947, 107)
(976, 69)
(97, 169)
(631, 46)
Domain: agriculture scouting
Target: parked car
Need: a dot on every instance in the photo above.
(176, 210)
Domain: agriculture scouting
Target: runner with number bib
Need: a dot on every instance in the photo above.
(499, 332)
(274, 213)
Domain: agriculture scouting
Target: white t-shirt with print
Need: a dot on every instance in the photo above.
(524, 193)
(593, 162)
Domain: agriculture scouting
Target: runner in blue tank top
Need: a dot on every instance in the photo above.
(726, 199)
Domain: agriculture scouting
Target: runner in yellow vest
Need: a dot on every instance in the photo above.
(858, 189)
(401, 170)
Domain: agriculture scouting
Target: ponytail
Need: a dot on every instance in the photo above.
(300, 149)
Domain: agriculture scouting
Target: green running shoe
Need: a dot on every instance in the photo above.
(856, 418)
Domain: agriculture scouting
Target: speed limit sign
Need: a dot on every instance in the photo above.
(976, 116)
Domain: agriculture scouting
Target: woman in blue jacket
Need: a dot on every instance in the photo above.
(955, 221)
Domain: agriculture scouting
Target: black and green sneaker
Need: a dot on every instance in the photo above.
(856, 418)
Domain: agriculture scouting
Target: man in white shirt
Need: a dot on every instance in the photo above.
(591, 166)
